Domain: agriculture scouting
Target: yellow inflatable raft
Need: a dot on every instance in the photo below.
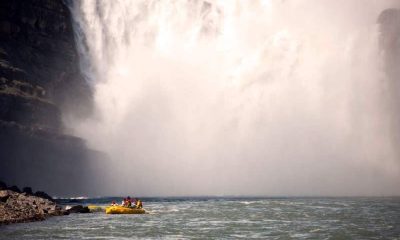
(124, 210)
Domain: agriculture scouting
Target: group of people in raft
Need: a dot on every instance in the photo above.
(128, 202)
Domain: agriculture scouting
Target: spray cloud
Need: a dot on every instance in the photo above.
(216, 97)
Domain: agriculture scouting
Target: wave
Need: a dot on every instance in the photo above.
(72, 198)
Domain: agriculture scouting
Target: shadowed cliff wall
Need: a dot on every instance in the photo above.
(39, 81)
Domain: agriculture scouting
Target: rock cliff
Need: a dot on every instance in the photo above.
(39, 68)
(40, 80)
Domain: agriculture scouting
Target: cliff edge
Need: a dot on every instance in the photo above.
(40, 80)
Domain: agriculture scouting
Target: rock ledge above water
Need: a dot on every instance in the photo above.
(21, 207)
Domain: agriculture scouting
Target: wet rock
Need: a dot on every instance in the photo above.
(27, 190)
(43, 195)
(4, 196)
(3, 186)
(79, 209)
(15, 189)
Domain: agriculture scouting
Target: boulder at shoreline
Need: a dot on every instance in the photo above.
(79, 209)
(20, 207)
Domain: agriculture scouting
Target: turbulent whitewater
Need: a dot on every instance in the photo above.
(238, 97)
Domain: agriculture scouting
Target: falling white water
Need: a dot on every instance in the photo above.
(252, 97)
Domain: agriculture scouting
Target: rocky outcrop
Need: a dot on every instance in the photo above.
(3, 186)
(44, 195)
(27, 190)
(14, 189)
(79, 209)
(21, 207)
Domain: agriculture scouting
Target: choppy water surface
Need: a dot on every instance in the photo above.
(231, 218)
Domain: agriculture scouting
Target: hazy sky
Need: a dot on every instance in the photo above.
(239, 97)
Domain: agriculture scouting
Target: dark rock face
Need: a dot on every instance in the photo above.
(40, 81)
(31, 112)
(43, 195)
(15, 189)
(38, 57)
(3, 186)
(27, 190)
(57, 163)
(17, 207)
(79, 209)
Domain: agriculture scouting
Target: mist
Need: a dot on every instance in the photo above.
(239, 97)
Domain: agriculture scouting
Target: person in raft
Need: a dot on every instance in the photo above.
(134, 201)
(114, 203)
(128, 202)
(139, 204)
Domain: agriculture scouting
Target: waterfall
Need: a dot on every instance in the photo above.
(267, 97)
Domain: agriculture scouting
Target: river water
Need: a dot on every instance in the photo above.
(226, 218)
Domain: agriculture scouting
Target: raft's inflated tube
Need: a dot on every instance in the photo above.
(124, 210)
(94, 208)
